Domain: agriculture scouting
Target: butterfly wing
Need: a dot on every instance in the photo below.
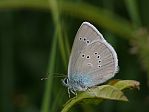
(98, 62)
(92, 56)
(86, 34)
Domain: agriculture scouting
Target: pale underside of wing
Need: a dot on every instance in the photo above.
(98, 61)
(86, 35)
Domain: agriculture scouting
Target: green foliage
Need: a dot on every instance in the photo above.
(35, 36)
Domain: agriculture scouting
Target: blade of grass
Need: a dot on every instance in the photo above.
(66, 40)
(62, 47)
(48, 86)
(132, 8)
(58, 100)
(58, 37)
(56, 18)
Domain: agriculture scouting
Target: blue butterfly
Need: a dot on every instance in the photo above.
(92, 61)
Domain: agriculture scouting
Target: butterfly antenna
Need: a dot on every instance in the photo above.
(57, 74)
(54, 74)
(44, 78)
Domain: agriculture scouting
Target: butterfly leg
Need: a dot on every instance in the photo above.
(91, 91)
(73, 91)
(88, 89)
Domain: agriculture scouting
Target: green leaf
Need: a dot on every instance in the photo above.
(111, 91)
(125, 84)
(100, 92)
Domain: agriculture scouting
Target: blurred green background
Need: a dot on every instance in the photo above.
(36, 38)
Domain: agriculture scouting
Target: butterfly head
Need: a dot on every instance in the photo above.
(68, 83)
(65, 81)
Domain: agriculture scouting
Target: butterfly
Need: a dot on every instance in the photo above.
(93, 60)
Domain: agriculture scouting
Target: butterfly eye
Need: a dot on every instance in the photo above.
(65, 81)
(88, 57)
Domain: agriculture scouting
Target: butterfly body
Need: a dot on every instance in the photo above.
(79, 82)
(92, 61)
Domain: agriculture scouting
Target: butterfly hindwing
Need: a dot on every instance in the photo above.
(99, 61)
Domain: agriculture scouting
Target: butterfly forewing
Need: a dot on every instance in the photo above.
(86, 35)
